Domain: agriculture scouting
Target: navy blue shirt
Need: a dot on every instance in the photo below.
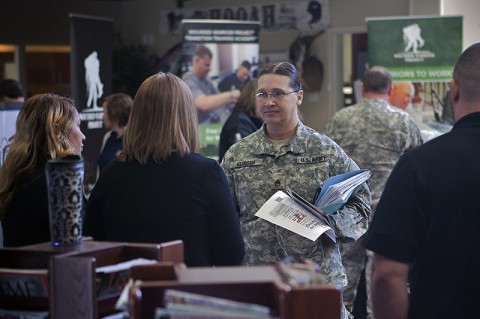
(112, 147)
(238, 125)
(186, 198)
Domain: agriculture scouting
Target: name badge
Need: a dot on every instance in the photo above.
(247, 163)
(311, 160)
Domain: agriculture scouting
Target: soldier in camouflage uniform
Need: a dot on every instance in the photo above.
(374, 134)
(285, 153)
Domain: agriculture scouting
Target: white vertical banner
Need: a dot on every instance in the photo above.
(231, 43)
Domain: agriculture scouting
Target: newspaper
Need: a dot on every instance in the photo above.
(182, 297)
(126, 265)
(290, 211)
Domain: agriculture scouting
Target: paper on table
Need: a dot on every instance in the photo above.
(337, 190)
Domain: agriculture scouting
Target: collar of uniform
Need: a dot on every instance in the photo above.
(375, 102)
(297, 144)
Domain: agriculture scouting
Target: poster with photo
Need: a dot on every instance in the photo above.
(420, 53)
(229, 52)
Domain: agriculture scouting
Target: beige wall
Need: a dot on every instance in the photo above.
(470, 10)
(346, 15)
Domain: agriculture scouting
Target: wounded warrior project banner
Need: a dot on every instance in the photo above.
(233, 44)
(415, 49)
(91, 40)
(420, 53)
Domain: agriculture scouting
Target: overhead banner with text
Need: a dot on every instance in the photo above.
(91, 40)
(231, 43)
(302, 16)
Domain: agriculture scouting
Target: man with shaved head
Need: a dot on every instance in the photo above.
(425, 232)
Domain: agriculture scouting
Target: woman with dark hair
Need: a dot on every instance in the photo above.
(159, 189)
(243, 121)
(284, 154)
(116, 111)
(47, 127)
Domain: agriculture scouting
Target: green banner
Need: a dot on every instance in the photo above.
(209, 139)
(415, 49)
(422, 73)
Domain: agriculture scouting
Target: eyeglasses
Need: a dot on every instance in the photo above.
(276, 95)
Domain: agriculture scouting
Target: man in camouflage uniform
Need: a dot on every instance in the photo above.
(374, 134)
(301, 159)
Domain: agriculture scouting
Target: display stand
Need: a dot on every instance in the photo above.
(261, 285)
(72, 277)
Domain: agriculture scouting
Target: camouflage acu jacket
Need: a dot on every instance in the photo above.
(374, 134)
(256, 170)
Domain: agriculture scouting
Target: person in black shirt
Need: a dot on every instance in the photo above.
(116, 111)
(425, 232)
(243, 121)
(160, 189)
(48, 127)
(237, 79)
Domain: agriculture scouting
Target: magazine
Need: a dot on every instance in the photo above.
(186, 305)
(24, 283)
(290, 211)
(112, 279)
(182, 297)
(23, 314)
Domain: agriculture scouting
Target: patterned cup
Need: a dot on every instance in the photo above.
(65, 200)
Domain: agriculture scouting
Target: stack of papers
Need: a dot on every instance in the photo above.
(337, 190)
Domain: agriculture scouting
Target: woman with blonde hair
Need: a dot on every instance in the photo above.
(47, 127)
(159, 189)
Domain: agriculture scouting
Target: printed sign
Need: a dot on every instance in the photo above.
(305, 16)
(232, 44)
(415, 49)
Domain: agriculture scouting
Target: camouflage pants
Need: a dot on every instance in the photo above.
(355, 259)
